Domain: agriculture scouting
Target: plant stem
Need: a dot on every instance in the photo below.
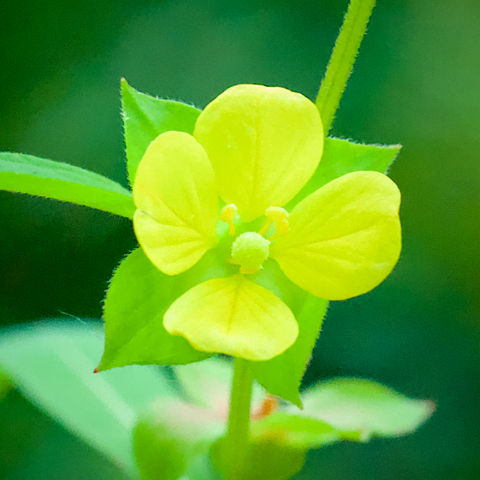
(342, 59)
(239, 419)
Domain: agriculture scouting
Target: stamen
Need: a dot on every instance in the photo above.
(229, 212)
(279, 216)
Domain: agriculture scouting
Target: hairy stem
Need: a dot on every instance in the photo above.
(342, 59)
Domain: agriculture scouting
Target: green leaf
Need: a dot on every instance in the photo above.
(146, 117)
(282, 375)
(138, 296)
(52, 363)
(364, 406)
(294, 430)
(169, 436)
(343, 156)
(60, 181)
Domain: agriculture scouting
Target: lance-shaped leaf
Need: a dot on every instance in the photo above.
(138, 296)
(52, 363)
(146, 117)
(60, 181)
(283, 374)
(343, 156)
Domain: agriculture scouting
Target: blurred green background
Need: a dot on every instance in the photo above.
(415, 83)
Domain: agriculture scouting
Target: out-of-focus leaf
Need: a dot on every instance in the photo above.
(60, 181)
(35, 447)
(295, 430)
(282, 375)
(146, 117)
(343, 156)
(266, 459)
(52, 364)
(138, 296)
(364, 406)
(169, 436)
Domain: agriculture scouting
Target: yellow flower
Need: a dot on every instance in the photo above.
(255, 147)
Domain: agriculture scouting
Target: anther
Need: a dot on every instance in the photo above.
(276, 213)
(229, 212)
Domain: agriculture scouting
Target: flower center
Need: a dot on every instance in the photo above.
(250, 250)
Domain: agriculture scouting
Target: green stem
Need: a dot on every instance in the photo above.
(342, 59)
(239, 419)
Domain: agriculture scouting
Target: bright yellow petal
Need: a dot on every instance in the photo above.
(345, 238)
(264, 144)
(177, 203)
(234, 316)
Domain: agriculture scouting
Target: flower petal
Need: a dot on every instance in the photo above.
(177, 203)
(234, 316)
(264, 144)
(345, 238)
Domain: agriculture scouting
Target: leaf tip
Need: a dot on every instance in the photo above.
(100, 367)
(103, 366)
(430, 407)
(296, 401)
(124, 86)
(397, 147)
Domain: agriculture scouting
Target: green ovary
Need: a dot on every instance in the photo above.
(249, 251)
